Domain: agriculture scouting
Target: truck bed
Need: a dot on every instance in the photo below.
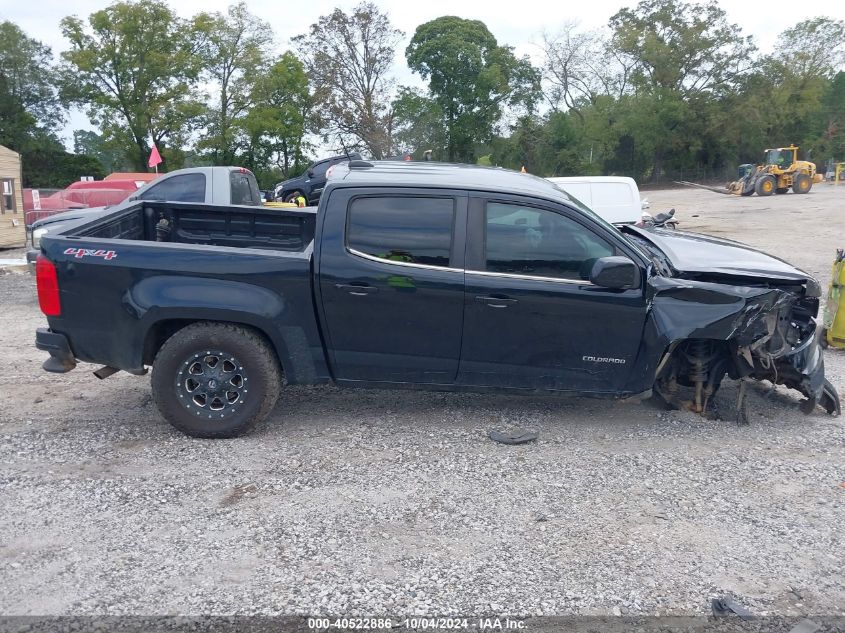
(212, 225)
(131, 278)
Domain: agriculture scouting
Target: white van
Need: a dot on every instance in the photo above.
(614, 198)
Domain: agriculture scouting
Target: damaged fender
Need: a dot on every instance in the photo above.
(699, 331)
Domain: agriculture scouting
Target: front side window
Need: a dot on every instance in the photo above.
(184, 188)
(527, 241)
(407, 229)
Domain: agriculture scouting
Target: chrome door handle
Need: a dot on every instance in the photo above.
(496, 302)
(358, 291)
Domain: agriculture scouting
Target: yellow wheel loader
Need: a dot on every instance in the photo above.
(780, 172)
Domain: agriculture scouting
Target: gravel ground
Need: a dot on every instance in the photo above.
(377, 502)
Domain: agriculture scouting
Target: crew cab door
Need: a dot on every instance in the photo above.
(532, 317)
(391, 284)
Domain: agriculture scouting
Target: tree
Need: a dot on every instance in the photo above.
(53, 167)
(28, 76)
(235, 54)
(276, 126)
(135, 67)
(419, 125)
(88, 143)
(683, 55)
(29, 106)
(470, 78)
(580, 67)
(813, 47)
(348, 58)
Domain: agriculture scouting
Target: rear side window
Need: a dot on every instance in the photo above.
(244, 188)
(407, 229)
(184, 188)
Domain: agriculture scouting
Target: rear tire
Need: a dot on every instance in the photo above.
(765, 186)
(802, 184)
(215, 380)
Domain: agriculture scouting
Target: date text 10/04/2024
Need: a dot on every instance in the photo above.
(418, 623)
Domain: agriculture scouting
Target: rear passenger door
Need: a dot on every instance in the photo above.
(392, 284)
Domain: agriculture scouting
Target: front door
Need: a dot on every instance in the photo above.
(392, 286)
(532, 317)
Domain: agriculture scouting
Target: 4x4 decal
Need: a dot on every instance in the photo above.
(89, 252)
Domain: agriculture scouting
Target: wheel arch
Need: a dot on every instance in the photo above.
(161, 330)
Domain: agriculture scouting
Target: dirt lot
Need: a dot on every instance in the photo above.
(396, 502)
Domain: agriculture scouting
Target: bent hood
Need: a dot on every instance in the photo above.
(697, 254)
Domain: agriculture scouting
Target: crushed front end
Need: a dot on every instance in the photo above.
(756, 331)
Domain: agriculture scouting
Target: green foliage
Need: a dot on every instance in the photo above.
(669, 89)
(27, 76)
(419, 125)
(470, 79)
(235, 51)
(88, 143)
(52, 167)
(134, 67)
(276, 125)
(348, 58)
(683, 55)
(29, 107)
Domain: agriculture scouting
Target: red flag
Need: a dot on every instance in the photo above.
(155, 157)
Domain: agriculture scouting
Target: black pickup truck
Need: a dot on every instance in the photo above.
(423, 276)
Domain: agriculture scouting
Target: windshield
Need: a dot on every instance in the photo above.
(779, 157)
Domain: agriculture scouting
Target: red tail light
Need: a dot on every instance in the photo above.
(48, 287)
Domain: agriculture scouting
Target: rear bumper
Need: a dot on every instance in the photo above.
(31, 256)
(61, 358)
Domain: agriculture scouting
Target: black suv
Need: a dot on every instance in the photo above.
(311, 183)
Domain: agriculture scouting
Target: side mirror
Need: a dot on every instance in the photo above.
(616, 272)
(310, 173)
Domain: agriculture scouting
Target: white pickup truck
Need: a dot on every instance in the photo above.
(209, 185)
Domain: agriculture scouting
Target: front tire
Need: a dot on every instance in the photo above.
(215, 380)
(291, 197)
(802, 184)
(765, 186)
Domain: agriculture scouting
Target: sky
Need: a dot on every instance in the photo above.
(518, 23)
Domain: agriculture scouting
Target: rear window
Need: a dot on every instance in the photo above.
(245, 188)
(183, 188)
(407, 229)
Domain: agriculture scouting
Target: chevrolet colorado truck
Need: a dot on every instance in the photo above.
(419, 275)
